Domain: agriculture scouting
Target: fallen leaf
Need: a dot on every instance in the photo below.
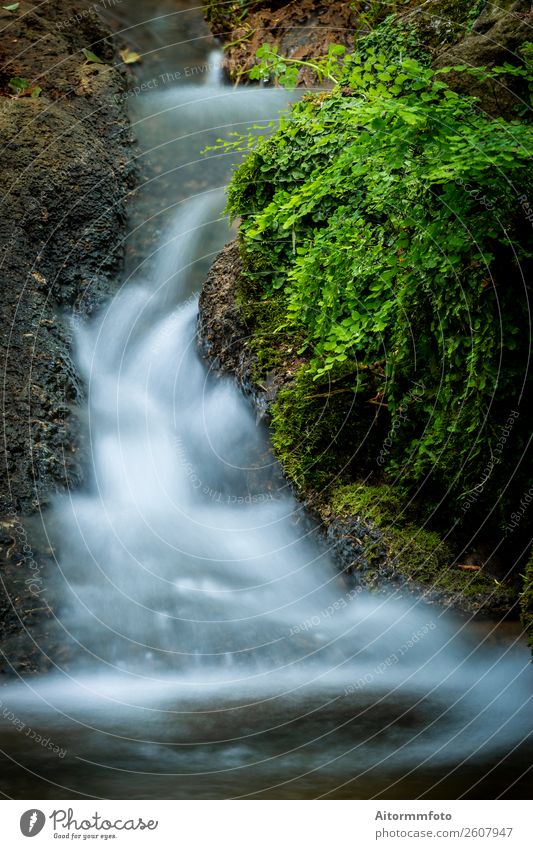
(91, 57)
(469, 567)
(129, 57)
(12, 7)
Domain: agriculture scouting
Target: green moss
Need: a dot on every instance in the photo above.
(419, 555)
(272, 342)
(416, 552)
(322, 429)
(383, 504)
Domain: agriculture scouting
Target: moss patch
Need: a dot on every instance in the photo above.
(273, 343)
(325, 429)
(418, 556)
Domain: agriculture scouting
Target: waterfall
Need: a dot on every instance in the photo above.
(208, 629)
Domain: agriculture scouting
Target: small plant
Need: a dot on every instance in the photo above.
(284, 71)
(224, 17)
(22, 87)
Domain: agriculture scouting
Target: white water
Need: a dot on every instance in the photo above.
(191, 582)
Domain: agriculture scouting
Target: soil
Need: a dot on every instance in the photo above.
(65, 174)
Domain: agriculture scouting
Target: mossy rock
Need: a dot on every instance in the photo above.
(393, 549)
(324, 429)
(271, 342)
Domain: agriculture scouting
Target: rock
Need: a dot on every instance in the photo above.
(63, 183)
(495, 39)
(222, 331)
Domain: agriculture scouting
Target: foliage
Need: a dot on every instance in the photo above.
(390, 214)
(285, 70)
(21, 87)
(395, 39)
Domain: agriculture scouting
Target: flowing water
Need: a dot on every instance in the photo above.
(214, 650)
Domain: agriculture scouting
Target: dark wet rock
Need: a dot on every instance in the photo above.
(352, 540)
(222, 330)
(65, 174)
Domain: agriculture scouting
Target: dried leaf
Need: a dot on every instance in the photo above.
(129, 57)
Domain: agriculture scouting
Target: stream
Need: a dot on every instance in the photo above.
(214, 649)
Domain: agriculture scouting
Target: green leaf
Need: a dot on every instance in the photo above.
(18, 84)
(12, 7)
(410, 118)
(90, 56)
(336, 50)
